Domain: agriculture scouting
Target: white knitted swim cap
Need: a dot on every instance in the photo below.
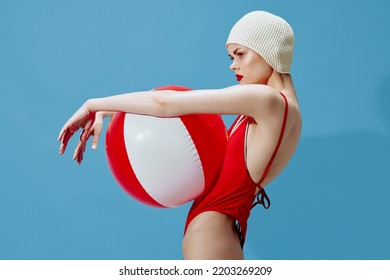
(267, 34)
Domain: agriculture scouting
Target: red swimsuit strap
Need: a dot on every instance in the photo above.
(233, 125)
(279, 141)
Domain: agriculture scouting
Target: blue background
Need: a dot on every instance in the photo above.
(332, 201)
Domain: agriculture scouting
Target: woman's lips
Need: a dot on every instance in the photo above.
(239, 77)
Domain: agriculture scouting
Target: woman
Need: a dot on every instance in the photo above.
(261, 141)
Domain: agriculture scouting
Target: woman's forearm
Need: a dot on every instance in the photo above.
(144, 102)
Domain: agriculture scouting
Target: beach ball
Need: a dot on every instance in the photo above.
(165, 162)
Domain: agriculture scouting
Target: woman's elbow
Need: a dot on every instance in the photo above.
(163, 106)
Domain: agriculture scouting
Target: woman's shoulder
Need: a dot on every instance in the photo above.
(264, 90)
(266, 101)
(261, 97)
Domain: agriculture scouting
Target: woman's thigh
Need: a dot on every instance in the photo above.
(212, 235)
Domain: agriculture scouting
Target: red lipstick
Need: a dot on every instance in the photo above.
(239, 77)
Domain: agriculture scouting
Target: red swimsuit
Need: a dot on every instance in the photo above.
(234, 191)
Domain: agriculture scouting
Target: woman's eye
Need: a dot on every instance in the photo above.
(240, 55)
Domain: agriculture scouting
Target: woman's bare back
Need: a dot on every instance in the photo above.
(262, 138)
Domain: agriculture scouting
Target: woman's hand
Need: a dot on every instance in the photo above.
(95, 130)
(91, 123)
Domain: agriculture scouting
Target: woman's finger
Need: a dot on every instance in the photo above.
(79, 152)
(66, 135)
(95, 139)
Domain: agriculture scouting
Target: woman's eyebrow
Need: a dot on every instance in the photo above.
(234, 52)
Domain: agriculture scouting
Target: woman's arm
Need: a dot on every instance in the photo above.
(248, 100)
(252, 100)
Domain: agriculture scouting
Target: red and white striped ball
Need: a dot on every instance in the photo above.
(165, 162)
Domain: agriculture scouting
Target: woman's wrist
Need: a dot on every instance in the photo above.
(91, 105)
(105, 114)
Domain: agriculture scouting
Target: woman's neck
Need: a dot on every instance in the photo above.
(283, 83)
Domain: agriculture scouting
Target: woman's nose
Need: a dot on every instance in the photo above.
(233, 66)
